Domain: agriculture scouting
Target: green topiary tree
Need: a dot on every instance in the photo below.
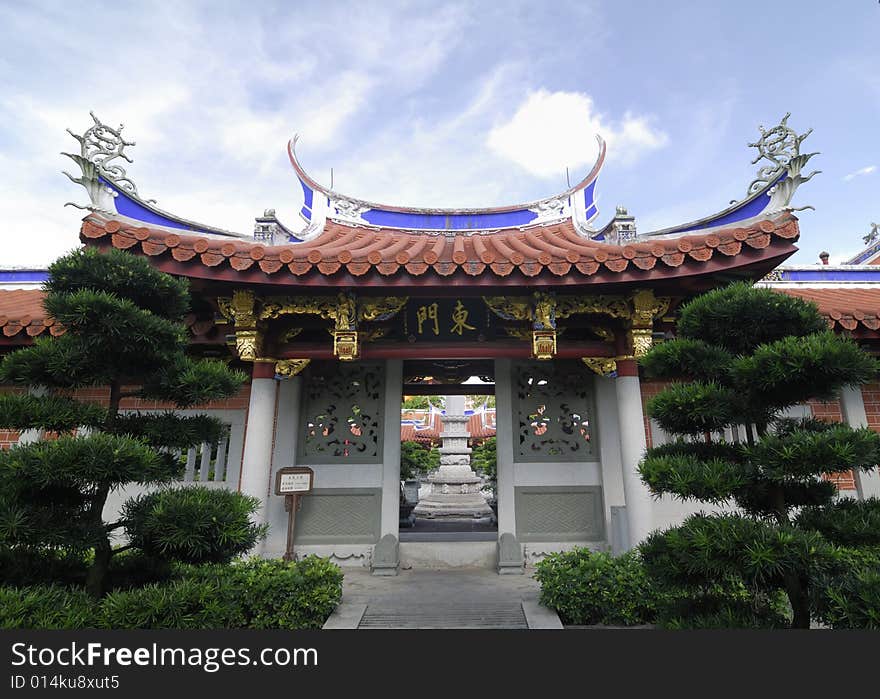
(484, 458)
(123, 331)
(743, 355)
(416, 459)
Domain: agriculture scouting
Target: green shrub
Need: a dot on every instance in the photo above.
(130, 569)
(256, 594)
(728, 606)
(484, 459)
(179, 604)
(846, 522)
(28, 566)
(274, 594)
(193, 524)
(849, 597)
(417, 459)
(46, 607)
(596, 588)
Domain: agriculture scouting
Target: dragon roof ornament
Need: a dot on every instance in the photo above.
(781, 146)
(99, 146)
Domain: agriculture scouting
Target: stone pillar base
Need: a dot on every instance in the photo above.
(460, 499)
(386, 556)
(510, 556)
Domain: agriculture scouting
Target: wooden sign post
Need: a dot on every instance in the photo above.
(293, 482)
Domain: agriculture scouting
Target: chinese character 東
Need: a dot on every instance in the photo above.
(459, 319)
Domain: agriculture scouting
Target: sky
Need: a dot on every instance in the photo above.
(438, 104)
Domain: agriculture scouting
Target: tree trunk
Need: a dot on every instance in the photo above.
(97, 575)
(800, 603)
(96, 578)
(794, 586)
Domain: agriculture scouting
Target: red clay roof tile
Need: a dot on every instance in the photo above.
(363, 250)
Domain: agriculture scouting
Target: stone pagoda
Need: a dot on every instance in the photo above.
(455, 488)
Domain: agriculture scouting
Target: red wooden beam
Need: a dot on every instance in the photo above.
(457, 350)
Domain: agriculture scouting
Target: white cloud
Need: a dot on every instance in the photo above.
(554, 130)
(211, 125)
(858, 173)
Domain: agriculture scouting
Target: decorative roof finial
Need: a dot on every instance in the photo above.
(100, 145)
(781, 145)
(873, 235)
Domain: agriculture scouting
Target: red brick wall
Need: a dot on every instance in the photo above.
(101, 395)
(9, 438)
(871, 397)
(831, 412)
(649, 390)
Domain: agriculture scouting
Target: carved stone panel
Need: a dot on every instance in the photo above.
(553, 412)
(342, 414)
(559, 513)
(339, 516)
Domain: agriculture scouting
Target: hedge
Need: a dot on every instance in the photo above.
(596, 588)
(258, 594)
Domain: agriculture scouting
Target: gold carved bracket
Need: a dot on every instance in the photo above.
(288, 368)
(603, 366)
(645, 308)
(544, 309)
(345, 310)
(241, 311)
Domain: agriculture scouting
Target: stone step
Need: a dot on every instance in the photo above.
(441, 555)
(446, 615)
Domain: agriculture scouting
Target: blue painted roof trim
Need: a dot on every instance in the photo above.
(865, 254)
(9, 276)
(308, 198)
(126, 205)
(448, 222)
(590, 208)
(830, 275)
(749, 207)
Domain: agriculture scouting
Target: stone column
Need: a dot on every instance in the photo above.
(256, 465)
(386, 553)
(852, 406)
(639, 509)
(288, 428)
(390, 520)
(504, 486)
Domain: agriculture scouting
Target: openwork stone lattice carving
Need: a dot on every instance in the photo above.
(553, 412)
(343, 414)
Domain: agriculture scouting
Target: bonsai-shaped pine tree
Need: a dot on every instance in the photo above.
(123, 331)
(742, 356)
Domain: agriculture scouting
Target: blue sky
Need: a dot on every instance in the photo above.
(445, 104)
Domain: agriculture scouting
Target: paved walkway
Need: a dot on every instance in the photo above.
(454, 598)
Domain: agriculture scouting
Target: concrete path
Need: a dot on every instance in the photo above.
(456, 598)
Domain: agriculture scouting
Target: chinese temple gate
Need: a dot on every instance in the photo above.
(369, 302)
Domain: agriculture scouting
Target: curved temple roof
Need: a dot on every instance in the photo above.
(550, 255)
(557, 228)
(578, 202)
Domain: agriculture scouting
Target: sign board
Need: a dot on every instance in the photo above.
(447, 320)
(294, 480)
